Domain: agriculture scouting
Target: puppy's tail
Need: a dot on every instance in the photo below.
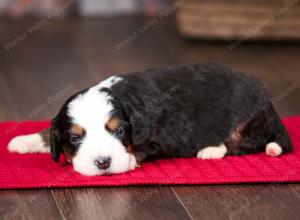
(32, 143)
(280, 141)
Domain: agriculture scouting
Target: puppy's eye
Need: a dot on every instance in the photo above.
(119, 132)
(75, 139)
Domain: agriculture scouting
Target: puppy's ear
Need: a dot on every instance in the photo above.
(55, 141)
(141, 128)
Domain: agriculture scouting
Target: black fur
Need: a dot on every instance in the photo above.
(60, 131)
(176, 111)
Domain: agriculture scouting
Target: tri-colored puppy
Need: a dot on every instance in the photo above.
(203, 110)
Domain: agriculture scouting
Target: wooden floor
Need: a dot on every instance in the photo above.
(61, 57)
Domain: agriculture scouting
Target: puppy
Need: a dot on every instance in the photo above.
(203, 110)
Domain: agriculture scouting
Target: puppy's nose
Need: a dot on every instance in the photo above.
(103, 162)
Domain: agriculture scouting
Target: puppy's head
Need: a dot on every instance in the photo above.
(94, 132)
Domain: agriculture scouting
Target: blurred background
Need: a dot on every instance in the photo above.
(49, 49)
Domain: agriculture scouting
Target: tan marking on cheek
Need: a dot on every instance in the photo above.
(113, 124)
(68, 154)
(138, 157)
(130, 148)
(77, 129)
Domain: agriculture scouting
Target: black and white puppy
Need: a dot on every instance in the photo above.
(203, 110)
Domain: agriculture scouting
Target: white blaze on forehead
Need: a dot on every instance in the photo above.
(85, 107)
(109, 82)
(92, 110)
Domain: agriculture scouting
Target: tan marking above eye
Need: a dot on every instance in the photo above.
(113, 124)
(77, 129)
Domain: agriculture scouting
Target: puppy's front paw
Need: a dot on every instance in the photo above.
(132, 163)
(212, 152)
(273, 149)
(28, 144)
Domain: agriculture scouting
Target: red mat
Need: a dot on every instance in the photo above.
(38, 171)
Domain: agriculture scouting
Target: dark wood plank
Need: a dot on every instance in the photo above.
(119, 203)
(272, 201)
(28, 204)
(104, 59)
(21, 204)
(44, 71)
(6, 100)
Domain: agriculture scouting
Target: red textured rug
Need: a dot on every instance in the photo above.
(39, 171)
